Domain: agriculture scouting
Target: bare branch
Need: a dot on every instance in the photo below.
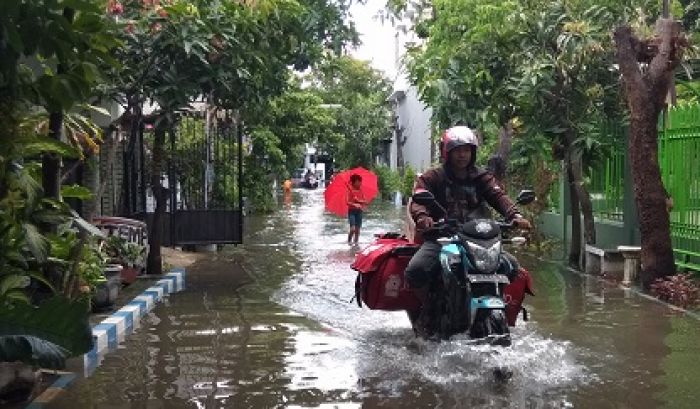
(668, 57)
(627, 57)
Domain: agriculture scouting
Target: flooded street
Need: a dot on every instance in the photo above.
(285, 334)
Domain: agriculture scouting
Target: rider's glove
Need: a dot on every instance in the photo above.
(424, 223)
(522, 222)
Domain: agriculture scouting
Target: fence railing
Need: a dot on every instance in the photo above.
(607, 188)
(679, 157)
(606, 182)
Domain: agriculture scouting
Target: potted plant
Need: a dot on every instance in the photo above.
(129, 255)
(104, 280)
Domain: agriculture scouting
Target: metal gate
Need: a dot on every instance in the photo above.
(205, 167)
(203, 178)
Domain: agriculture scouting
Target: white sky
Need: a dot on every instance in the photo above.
(377, 40)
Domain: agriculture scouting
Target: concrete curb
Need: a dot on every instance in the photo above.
(632, 289)
(112, 330)
(59, 385)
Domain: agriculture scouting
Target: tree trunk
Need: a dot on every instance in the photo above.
(584, 198)
(498, 163)
(51, 163)
(91, 180)
(654, 224)
(505, 141)
(110, 150)
(646, 95)
(155, 233)
(575, 249)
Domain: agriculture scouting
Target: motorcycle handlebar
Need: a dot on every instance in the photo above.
(447, 226)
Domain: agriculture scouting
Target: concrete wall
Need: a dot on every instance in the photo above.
(609, 234)
(414, 119)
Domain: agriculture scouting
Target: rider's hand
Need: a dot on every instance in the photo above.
(424, 223)
(522, 222)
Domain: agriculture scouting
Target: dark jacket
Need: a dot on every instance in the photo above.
(463, 199)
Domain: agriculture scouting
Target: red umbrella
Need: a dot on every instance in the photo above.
(337, 191)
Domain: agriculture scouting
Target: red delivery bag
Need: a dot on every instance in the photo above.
(514, 294)
(380, 283)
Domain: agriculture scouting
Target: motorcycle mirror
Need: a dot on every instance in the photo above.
(423, 198)
(525, 197)
(518, 241)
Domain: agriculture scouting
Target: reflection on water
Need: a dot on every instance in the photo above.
(286, 335)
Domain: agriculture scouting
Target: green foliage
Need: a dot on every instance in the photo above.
(409, 179)
(121, 251)
(45, 335)
(50, 51)
(341, 110)
(358, 96)
(76, 192)
(389, 181)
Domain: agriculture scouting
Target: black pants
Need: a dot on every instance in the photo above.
(424, 265)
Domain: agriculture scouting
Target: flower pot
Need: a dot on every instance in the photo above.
(107, 291)
(129, 274)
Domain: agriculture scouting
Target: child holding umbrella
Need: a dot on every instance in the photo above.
(356, 204)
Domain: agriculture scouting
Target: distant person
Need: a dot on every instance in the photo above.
(287, 186)
(356, 205)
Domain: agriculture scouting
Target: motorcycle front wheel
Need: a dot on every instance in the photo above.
(491, 325)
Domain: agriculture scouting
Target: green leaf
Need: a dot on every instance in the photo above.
(48, 145)
(76, 192)
(38, 244)
(57, 320)
(12, 282)
(14, 39)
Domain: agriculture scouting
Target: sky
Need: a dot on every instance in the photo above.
(377, 40)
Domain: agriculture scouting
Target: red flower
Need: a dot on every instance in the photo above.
(114, 7)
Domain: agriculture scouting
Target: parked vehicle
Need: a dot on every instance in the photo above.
(480, 290)
(298, 177)
(310, 182)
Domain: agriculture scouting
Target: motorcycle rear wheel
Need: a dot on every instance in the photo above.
(491, 324)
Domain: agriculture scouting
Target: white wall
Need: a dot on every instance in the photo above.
(413, 115)
(414, 118)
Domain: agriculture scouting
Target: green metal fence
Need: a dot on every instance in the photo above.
(679, 154)
(606, 179)
(607, 188)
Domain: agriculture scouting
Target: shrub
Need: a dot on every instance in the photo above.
(679, 290)
(389, 181)
(409, 178)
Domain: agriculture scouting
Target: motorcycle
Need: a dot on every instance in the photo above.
(468, 297)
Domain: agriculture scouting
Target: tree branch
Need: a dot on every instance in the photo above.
(668, 57)
(627, 57)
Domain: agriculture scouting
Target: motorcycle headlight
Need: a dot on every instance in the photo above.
(486, 259)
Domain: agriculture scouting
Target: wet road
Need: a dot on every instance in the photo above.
(290, 338)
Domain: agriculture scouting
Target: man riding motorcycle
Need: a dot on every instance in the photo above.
(461, 189)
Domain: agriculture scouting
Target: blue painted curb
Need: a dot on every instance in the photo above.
(112, 330)
(59, 385)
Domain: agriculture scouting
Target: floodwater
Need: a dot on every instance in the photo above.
(290, 337)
